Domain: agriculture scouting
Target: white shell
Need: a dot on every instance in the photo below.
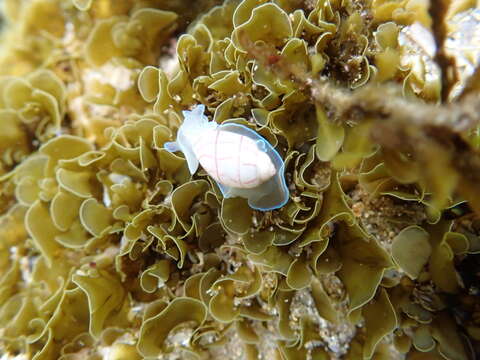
(242, 162)
(233, 159)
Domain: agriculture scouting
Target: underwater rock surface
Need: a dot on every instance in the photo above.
(113, 248)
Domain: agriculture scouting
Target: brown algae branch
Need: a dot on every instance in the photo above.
(383, 102)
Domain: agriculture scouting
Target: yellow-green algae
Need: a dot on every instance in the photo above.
(110, 249)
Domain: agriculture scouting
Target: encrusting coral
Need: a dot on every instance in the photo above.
(111, 249)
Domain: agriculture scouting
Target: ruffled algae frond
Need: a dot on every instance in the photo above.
(111, 249)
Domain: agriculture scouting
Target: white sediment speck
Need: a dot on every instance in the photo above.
(118, 178)
(119, 77)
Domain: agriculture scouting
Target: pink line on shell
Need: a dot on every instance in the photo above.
(249, 181)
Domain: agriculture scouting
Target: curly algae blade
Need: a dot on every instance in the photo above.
(242, 162)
